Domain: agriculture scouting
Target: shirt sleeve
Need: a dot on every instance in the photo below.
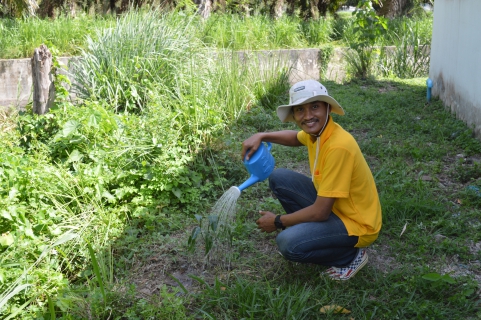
(302, 136)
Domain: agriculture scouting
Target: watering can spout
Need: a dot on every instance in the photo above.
(249, 182)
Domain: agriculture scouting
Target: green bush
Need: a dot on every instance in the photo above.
(411, 53)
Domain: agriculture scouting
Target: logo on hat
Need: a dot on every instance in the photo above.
(299, 88)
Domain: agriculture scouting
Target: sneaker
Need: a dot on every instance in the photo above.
(348, 272)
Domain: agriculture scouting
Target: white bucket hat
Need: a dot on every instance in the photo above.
(305, 92)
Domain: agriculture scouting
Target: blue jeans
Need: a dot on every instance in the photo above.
(325, 242)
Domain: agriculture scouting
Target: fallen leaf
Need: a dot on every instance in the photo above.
(404, 229)
(334, 309)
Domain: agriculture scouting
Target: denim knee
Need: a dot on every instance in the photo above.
(284, 244)
(276, 176)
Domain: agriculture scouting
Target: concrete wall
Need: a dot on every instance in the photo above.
(16, 81)
(456, 60)
(16, 75)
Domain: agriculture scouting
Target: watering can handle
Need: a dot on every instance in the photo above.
(269, 146)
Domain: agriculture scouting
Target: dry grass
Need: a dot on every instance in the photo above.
(7, 119)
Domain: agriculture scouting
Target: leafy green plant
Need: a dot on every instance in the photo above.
(465, 172)
(437, 280)
(369, 29)
(360, 61)
(326, 54)
(208, 231)
(409, 58)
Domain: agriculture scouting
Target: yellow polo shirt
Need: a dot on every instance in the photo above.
(343, 173)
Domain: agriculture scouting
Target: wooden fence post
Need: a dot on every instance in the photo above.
(43, 86)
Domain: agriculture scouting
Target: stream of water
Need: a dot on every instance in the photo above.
(217, 229)
(225, 207)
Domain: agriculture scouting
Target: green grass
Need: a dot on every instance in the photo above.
(412, 149)
(422, 266)
(68, 36)
(97, 204)
(19, 37)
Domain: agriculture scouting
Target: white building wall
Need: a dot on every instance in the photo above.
(455, 67)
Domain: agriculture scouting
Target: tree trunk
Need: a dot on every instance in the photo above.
(394, 8)
(43, 86)
(313, 12)
(322, 7)
(205, 8)
(219, 5)
(291, 7)
(46, 9)
(277, 9)
(305, 9)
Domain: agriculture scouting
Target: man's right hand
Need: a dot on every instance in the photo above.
(250, 145)
(284, 137)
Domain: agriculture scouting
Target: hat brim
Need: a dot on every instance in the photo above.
(285, 115)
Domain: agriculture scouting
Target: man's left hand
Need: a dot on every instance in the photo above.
(266, 222)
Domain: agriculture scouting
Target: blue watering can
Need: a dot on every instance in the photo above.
(260, 165)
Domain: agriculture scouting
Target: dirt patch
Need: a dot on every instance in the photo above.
(168, 264)
(380, 258)
(173, 265)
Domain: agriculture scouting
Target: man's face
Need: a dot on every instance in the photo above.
(310, 117)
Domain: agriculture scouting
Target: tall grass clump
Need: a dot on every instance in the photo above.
(236, 32)
(399, 27)
(317, 32)
(152, 62)
(410, 55)
(259, 32)
(123, 64)
(343, 29)
(19, 37)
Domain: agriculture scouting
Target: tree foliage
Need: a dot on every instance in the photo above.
(307, 9)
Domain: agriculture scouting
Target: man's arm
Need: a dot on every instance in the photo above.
(285, 137)
(319, 211)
